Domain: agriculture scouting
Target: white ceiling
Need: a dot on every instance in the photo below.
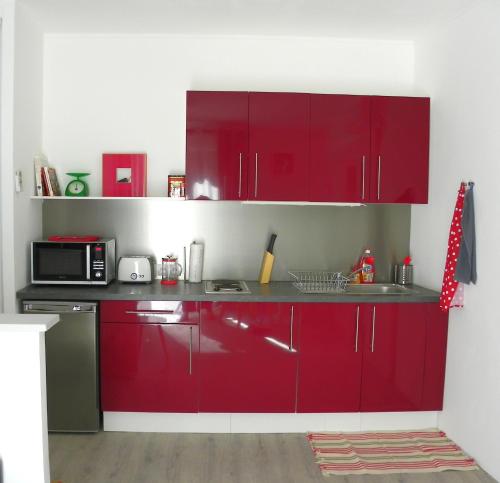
(381, 19)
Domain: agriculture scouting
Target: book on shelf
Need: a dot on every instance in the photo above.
(54, 188)
(46, 180)
(39, 162)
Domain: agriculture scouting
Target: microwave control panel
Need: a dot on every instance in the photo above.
(97, 264)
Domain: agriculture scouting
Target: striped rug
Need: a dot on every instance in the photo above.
(387, 452)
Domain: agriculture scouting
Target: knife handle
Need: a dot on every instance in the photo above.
(270, 247)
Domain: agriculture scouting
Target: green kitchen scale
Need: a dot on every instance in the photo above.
(77, 186)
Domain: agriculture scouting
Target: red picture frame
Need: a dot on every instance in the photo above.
(124, 174)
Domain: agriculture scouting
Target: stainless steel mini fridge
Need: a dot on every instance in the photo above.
(71, 350)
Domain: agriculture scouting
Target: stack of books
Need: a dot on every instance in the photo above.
(46, 182)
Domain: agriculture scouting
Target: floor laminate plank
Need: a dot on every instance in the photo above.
(108, 457)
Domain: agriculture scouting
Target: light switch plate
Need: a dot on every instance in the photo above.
(18, 178)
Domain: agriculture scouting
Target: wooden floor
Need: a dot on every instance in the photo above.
(206, 458)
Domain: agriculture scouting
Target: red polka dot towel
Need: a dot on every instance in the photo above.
(452, 292)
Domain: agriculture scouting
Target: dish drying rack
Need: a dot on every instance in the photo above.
(308, 281)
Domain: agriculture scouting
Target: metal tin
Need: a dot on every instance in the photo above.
(403, 274)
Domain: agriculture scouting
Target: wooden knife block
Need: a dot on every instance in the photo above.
(266, 268)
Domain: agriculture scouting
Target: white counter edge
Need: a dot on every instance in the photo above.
(27, 322)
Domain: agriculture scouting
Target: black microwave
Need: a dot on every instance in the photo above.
(73, 262)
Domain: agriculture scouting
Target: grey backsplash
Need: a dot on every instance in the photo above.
(235, 235)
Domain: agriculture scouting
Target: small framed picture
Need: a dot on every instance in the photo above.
(124, 174)
(176, 186)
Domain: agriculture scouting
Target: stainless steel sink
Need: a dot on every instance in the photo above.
(377, 289)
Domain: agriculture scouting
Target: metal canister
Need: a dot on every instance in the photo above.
(403, 274)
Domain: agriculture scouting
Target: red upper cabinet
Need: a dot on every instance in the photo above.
(340, 148)
(393, 357)
(278, 154)
(216, 145)
(248, 359)
(307, 147)
(330, 357)
(399, 149)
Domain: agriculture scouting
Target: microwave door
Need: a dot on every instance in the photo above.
(61, 262)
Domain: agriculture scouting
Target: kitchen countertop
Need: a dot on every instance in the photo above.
(273, 292)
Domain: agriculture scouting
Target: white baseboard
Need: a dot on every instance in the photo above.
(266, 423)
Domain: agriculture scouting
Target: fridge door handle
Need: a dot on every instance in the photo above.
(31, 308)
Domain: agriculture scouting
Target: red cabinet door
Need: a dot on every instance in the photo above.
(149, 367)
(399, 149)
(393, 357)
(330, 358)
(216, 145)
(340, 148)
(248, 360)
(435, 359)
(278, 146)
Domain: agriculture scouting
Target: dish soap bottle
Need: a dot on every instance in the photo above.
(367, 265)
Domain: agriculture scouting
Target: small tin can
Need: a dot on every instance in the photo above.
(403, 274)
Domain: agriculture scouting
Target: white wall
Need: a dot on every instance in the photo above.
(7, 12)
(127, 93)
(28, 90)
(21, 115)
(459, 67)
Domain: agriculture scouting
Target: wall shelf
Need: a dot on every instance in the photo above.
(105, 198)
(173, 200)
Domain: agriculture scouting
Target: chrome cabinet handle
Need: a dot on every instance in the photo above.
(363, 180)
(147, 314)
(373, 329)
(239, 183)
(291, 328)
(256, 174)
(379, 175)
(357, 329)
(190, 350)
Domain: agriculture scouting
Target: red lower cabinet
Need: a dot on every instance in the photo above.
(435, 359)
(394, 357)
(271, 357)
(148, 366)
(248, 357)
(330, 358)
